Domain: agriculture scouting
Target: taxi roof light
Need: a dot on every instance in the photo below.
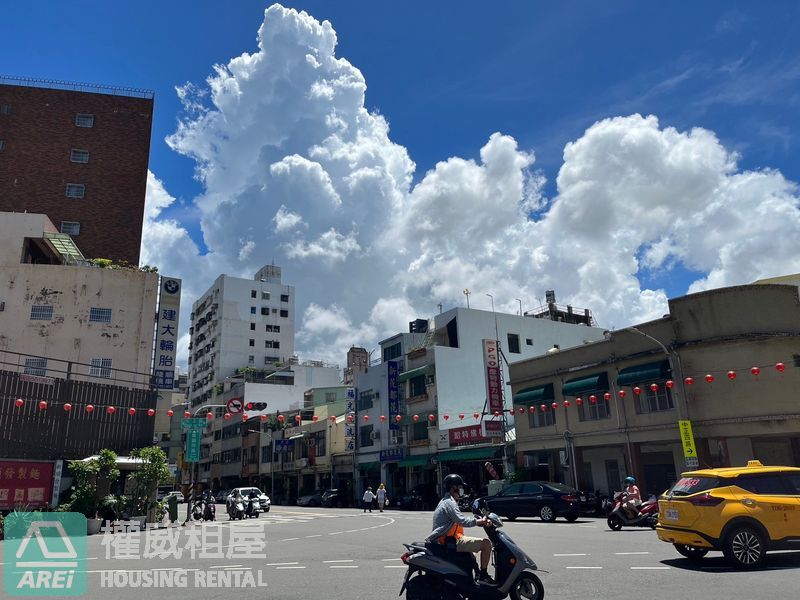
(752, 464)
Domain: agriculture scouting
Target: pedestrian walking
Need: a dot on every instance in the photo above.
(383, 498)
(367, 499)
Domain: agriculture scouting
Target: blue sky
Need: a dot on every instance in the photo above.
(446, 75)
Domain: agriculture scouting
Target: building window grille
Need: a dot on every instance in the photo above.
(285, 313)
(284, 297)
(594, 412)
(76, 190)
(100, 367)
(513, 343)
(265, 295)
(36, 366)
(84, 120)
(41, 313)
(252, 310)
(99, 315)
(79, 156)
(649, 401)
(541, 419)
(70, 227)
(252, 293)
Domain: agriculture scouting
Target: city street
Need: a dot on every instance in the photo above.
(344, 554)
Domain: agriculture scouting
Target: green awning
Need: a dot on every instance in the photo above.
(370, 466)
(649, 372)
(469, 454)
(415, 461)
(535, 394)
(418, 372)
(581, 385)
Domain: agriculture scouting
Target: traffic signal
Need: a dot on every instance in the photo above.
(256, 405)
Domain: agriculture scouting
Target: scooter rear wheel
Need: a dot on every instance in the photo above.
(614, 523)
(527, 587)
(423, 587)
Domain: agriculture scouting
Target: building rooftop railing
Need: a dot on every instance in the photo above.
(76, 86)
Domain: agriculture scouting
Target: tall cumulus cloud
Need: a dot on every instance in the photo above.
(295, 169)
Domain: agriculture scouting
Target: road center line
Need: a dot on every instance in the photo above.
(650, 568)
(279, 568)
(223, 566)
(389, 559)
(281, 564)
(571, 555)
(584, 567)
(290, 539)
(629, 553)
(337, 561)
(313, 536)
(344, 566)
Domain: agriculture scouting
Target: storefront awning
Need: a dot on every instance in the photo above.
(469, 454)
(535, 395)
(581, 385)
(418, 372)
(415, 461)
(657, 371)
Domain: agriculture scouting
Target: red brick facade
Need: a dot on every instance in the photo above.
(38, 134)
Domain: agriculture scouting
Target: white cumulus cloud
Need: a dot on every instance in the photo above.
(295, 166)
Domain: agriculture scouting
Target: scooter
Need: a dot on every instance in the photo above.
(235, 507)
(253, 508)
(646, 517)
(209, 507)
(197, 508)
(437, 571)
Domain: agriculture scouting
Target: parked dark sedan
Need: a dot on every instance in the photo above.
(330, 498)
(543, 499)
(421, 497)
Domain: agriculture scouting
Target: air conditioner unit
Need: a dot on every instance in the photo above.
(375, 435)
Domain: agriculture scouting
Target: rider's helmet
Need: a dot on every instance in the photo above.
(630, 480)
(452, 481)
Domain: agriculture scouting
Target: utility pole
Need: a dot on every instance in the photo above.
(520, 306)
(467, 293)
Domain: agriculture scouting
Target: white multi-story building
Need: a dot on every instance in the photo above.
(240, 325)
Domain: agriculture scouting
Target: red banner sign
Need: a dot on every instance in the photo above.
(494, 391)
(465, 436)
(25, 483)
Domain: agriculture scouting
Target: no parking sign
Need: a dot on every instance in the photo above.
(235, 406)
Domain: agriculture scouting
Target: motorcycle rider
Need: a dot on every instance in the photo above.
(448, 521)
(633, 498)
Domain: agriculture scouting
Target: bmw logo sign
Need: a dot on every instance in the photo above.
(171, 286)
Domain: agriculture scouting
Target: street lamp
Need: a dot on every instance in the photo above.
(467, 293)
(520, 305)
(676, 373)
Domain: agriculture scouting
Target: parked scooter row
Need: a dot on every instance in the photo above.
(239, 507)
(203, 508)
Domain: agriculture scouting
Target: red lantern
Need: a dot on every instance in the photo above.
(398, 418)
(780, 367)
(554, 405)
(315, 418)
(689, 381)
(90, 408)
(709, 378)
(755, 371)
(19, 402)
(637, 390)
(532, 409)
(111, 410)
(579, 401)
(431, 418)
(263, 418)
(476, 415)
(511, 411)
(521, 410)
(607, 396)
(461, 416)
(497, 413)
(170, 412)
(150, 412)
(67, 407)
(654, 387)
(210, 416)
(333, 418)
(416, 418)
(622, 393)
(446, 417)
(131, 411)
(297, 419)
(382, 418)
(593, 399)
(350, 418)
(281, 418)
(566, 403)
(227, 416)
(186, 414)
(670, 384)
(543, 407)
(731, 374)
(42, 405)
(366, 418)
(244, 417)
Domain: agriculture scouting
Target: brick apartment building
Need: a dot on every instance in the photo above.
(79, 154)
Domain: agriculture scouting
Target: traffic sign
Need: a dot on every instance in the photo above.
(193, 445)
(235, 406)
(687, 439)
(195, 423)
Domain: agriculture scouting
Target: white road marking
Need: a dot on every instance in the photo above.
(344, 566)
(389, 559)
(281, 564)
(223, 566)
(650, 568)
(327, 562)
(313, 536)
(336, 533)
(571, 555)
(584, 567)
(629, 553)
(279, 568)
(290, 539)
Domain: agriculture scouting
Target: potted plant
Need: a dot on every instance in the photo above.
(83, 497)
(152, 470)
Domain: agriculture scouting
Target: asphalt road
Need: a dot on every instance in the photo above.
(345, 554)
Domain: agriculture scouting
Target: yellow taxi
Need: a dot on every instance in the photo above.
(742, 511)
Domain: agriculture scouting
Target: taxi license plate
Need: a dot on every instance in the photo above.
(671, 514)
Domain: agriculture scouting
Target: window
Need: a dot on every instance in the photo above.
(513, 343)
(2, 145)
(541, 419)
(284, 297)
(41, 313)
(79, 156)
(252, 310)
(419, 431)
(649, 401)
(264, 311)
(285, 313)
(365, 400)
(276, 344)
(276, 328)
(693, 485)
(330, 397)
(76, 190)
(274, 311)
(417, 385)
(36, 366)
(252, 326)
(70, 227)
(100, 367)
(251, 359)
(266, 454)
(268, 344)
(594, 412)
(252, 342)
(768, 484)
(513, 490)
(392, 352)
(83, 120)
(528, 342)
(5, 109)
(535, 488)
(99, 315)
(265, 295)
(268, 360)
(365, 436)
(253, 294)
